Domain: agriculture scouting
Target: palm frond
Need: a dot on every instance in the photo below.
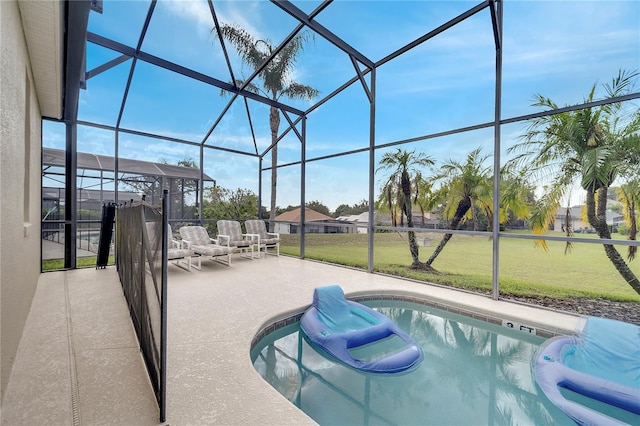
(597, 168)
(276, 75)
(300, 91)
(544, 211)
(239, 83)
(245, 45)
(622, 83)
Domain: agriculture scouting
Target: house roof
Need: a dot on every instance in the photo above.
(362, 217)
(574, 212)
(309, 216)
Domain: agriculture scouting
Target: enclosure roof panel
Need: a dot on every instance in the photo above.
(56, 157)
(86, 195)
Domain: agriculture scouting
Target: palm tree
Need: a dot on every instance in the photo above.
(592, 146)
(629, 196)
(276, 81)
(403, 185)
(516, 195)
(465, 185)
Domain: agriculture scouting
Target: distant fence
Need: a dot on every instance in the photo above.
(141, 260)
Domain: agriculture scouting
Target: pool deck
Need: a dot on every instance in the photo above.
(78, 362)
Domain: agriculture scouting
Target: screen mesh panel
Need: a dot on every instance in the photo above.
(141, 247)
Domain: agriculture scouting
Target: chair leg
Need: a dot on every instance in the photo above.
(181, 262)
(199, 267)
(219, 259)
(244, 252)
(275, 247)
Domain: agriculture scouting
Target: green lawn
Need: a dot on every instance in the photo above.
(81, 262)
(466, 262)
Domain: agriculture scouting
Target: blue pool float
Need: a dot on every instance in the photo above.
(601, 361)
(337, 325)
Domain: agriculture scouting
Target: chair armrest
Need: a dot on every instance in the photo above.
(274, 234)
(176, 244)
(252, 237)
(186, 243)
(224, 239)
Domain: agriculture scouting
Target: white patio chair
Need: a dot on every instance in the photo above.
(265, 240)
(182, 256)
(197, 239)
(230, 234)
(176, 251)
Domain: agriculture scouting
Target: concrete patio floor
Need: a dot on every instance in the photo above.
(78, 362)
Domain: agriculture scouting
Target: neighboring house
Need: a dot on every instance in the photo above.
(315, 223)
(429, 220)
(355, 223)
(359, 223)
(575, 222)
(614, 219)
(569, 217)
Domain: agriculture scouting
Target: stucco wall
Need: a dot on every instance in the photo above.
(20, 141)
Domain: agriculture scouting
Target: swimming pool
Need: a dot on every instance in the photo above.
(474, 372)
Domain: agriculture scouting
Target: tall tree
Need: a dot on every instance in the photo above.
(346, 210)
(402, 188)
(464, 184)
(223, 203)
(591, 146)
(318, 207)
(275, 78)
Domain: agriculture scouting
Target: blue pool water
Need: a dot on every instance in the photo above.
(473, 373)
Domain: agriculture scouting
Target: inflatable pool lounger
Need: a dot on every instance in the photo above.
(339, 327)
(601, 361)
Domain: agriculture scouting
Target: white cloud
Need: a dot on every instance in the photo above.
(53, 135)
(227, 12)
(196, 11)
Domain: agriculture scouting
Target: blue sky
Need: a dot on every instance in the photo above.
(555, 48)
